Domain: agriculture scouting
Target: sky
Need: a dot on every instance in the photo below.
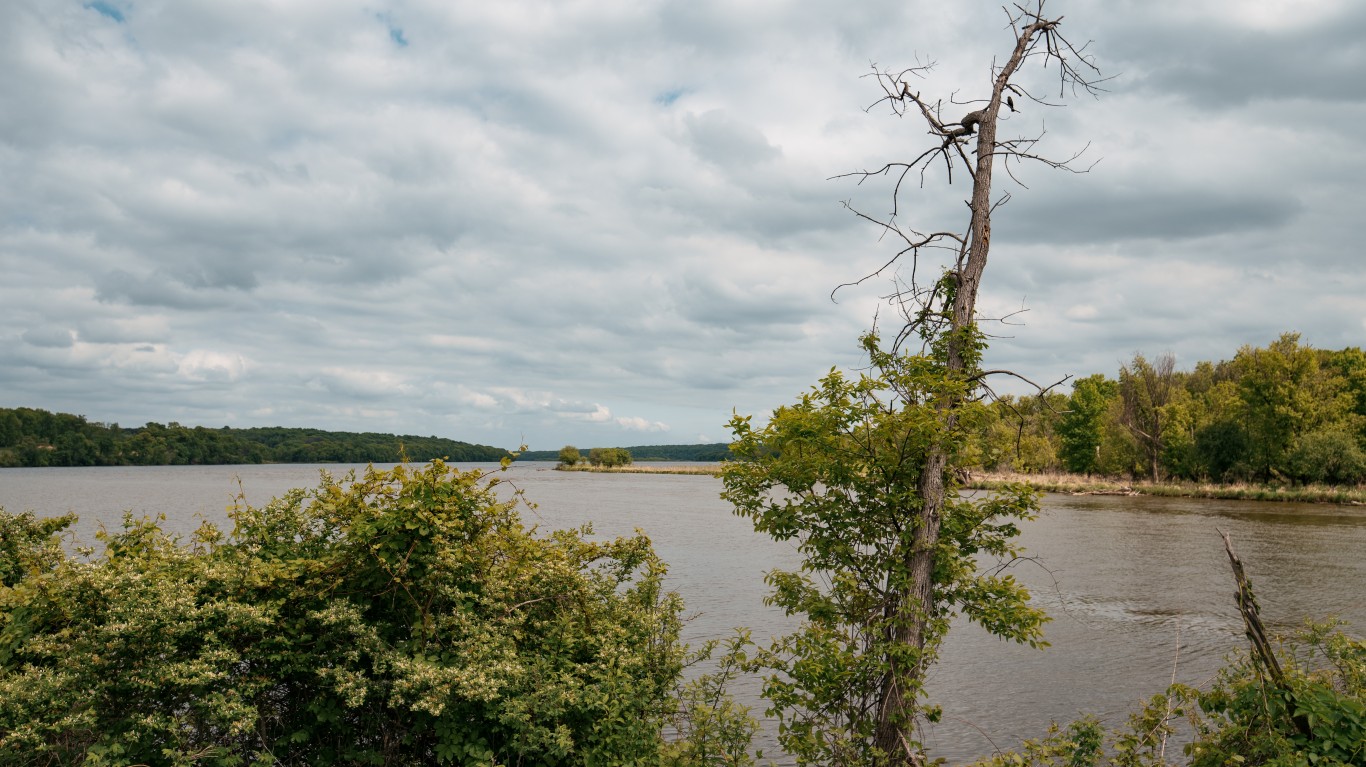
(613, 222)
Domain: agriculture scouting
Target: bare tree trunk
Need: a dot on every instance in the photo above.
(896, 718)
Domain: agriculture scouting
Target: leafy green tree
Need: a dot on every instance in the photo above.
(11, 429)
(609, 456)
(1284, 394)
(73, 448)
(569, 455)
(405, 617)
(1081, 427)
(840, 473)
(1018, 434)
(1349, 366)
(1327, 456)
(1181, 418)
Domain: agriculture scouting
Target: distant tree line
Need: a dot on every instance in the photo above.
(32, 437)
(716, 451)
(1282, 413)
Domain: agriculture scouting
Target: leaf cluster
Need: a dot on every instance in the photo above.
(399, 617)
(839, 474)
(1317, 720)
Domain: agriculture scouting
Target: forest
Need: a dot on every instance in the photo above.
(1283, 413)
(33, 437)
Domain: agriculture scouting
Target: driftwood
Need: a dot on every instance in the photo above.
(1262, 652)
(1128, 491)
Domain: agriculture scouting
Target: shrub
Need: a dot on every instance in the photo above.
(1331, 457)
(404, 617)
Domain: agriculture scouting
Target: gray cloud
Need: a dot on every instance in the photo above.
(1301, 58)
(726, 142)
(1151, 212)
(596, 224)
(50, 337)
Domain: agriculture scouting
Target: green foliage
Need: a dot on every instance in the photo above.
(402, 617)
(1017, 434)
(1248, 721)
(1283, 394)
(609, 456)
(1282, 414)
(30, 437)
(1242, 719)
(712, 729)
(1079, 745)
(1328, 456)
(569, 455)
(1081, 428)
(29, 546)
(838, 473)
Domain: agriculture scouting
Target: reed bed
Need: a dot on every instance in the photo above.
(1078, 484)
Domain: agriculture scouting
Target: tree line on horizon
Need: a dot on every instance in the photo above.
(35, 437)
(1283, 413)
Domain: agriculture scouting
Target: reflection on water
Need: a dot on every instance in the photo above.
(1136, 586)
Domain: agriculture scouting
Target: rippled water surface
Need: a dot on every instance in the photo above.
(1136, 586)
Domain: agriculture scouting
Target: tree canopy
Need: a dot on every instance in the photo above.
(33, 437)
(1286, 412)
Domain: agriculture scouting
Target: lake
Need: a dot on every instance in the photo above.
(1136, 586)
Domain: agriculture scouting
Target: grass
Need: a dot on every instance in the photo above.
(1078, 484)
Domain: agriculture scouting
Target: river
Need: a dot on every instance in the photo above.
(1139, 588)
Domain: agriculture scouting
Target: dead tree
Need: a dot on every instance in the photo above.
(1145, 388)
(1263, 655)
(942, 312)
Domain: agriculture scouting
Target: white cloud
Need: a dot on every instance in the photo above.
(202, 365)
(636, 423)
(511, 220)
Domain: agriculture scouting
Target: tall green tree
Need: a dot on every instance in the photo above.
(1081, 428)
(1285, 394)
(839, 474)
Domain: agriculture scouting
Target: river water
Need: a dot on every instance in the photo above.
(1139, 588)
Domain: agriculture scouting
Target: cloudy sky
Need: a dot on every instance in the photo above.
(608, 222)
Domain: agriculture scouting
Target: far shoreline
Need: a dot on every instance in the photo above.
(1080, 485)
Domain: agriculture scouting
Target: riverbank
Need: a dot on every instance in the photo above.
(1080, 484)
